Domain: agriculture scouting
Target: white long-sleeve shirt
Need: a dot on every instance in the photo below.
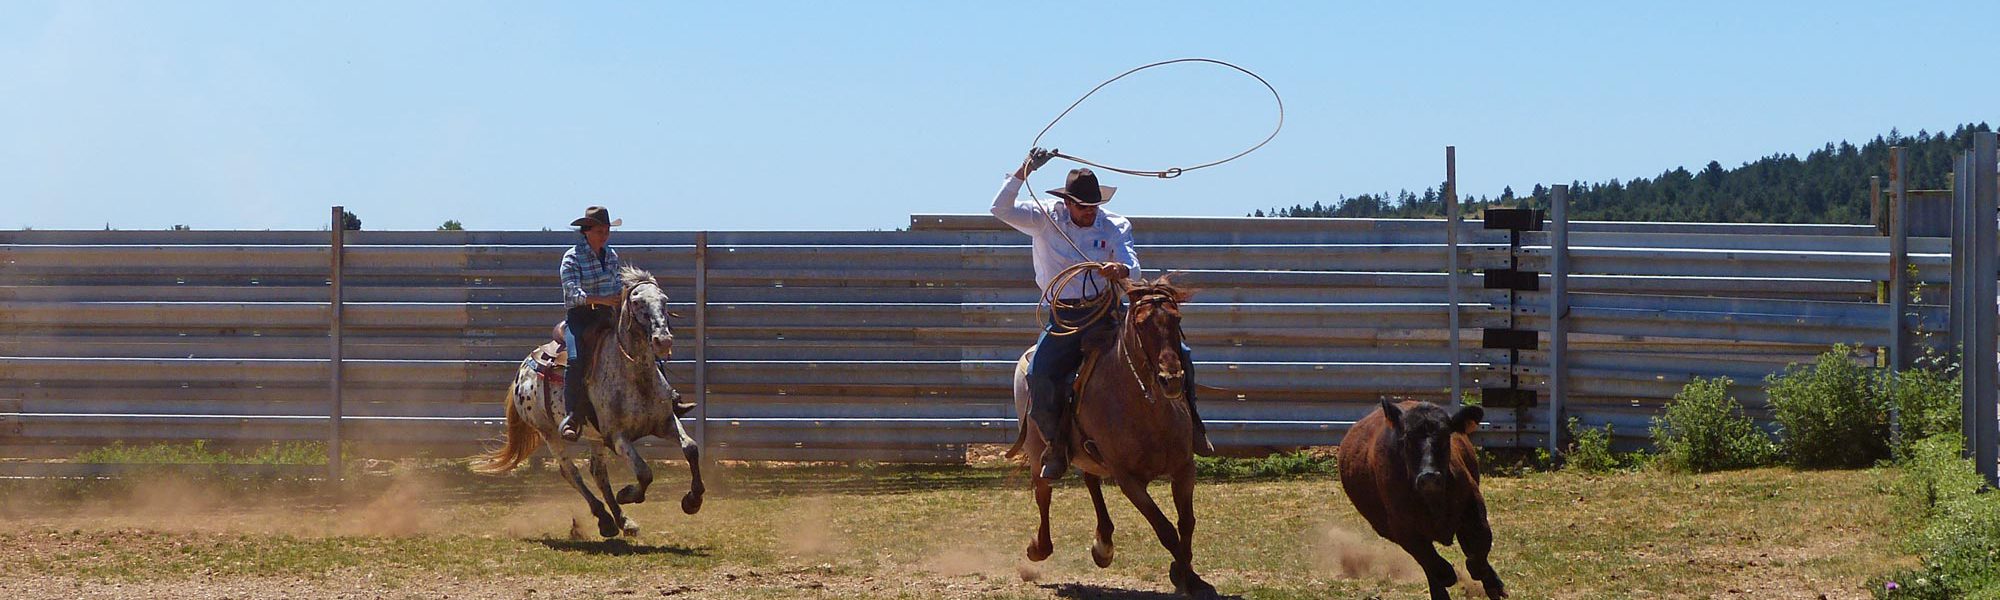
(1108, 239)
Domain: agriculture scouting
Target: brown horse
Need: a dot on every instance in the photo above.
(1412, 471)
(1130, 425)
(632, 398)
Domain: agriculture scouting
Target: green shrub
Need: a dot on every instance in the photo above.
(1960, 540)
(1590, 449)
(198, 453)
(1830, 412)
(1927, 402)
(1289, 464)
(1704, 429)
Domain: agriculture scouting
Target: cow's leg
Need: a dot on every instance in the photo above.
(1477, 536)
(1101, 549)
(606, 525)
(1041, 547)
(1184, 509)
(600, 470)
(1436, 571)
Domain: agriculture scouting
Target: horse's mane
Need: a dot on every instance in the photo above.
(1163, 285)
(632, 276)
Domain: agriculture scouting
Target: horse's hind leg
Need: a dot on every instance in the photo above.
(635, 493)
(606, 525)
(1040, 548)
(1101, 550)
(600, 470)
(1184, 509)
(1178, 572)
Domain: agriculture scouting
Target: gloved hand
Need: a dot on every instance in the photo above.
(1036, 158)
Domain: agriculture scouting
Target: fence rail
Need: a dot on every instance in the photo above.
(899, 345)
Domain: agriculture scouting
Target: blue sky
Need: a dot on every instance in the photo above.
(853, 115)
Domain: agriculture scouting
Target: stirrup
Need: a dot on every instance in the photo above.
(570, 430)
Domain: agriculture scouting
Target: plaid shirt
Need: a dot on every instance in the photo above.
(583, 272)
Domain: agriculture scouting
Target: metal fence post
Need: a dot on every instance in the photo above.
(1558, 310)
(701, 347)
(1899, 260)
(1985, 207)
(1451, 266)
(335, 303)
(1961, 300)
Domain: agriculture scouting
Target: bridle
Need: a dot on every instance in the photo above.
(1129, 338)
(623, 305)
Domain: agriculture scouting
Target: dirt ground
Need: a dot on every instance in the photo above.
(922, 532)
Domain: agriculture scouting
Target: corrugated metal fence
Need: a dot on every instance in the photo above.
(896, 345)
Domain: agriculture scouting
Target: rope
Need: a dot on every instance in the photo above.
(1101, 304)
(1169, 172)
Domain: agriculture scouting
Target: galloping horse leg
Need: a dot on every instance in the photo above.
(1135, 490)
(600, 470)
(606, 526)
(634, 493)
(1040, 548)
(1101, 548)
(691, 502)
(1184, 509)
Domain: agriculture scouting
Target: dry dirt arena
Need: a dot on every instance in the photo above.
(837, 531)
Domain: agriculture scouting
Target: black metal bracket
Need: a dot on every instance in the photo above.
(1511, 279)
(1517, 219)
(1507, 339)
(1506, 398)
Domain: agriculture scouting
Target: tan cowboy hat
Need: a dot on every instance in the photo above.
(1082, 188)
(597, 215)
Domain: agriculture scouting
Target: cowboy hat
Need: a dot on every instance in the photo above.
(596, 215)
(1082, 188)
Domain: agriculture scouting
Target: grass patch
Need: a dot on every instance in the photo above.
(198, 453)
(1295, 464)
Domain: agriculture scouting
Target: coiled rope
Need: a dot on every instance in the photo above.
(1100, 305)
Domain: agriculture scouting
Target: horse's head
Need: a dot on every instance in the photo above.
(1154, 319)
(1423, 440)
(644, 321)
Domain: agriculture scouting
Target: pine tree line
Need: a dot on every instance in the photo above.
(1829, 185)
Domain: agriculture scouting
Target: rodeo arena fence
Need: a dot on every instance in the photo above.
(900, 345)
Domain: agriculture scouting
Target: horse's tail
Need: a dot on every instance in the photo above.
(1020, 437)
(522, 441)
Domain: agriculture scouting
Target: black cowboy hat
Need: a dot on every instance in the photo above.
(596, 215)
(1082, 188)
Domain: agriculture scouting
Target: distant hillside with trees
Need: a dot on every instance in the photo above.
(1828, 185)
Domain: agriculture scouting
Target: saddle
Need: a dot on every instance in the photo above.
(552, 358)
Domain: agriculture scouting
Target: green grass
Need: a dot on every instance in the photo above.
(922, 532)
(198, 453)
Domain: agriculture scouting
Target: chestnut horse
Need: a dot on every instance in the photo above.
(632, 398)
(1129, 425)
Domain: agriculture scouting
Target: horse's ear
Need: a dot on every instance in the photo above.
(1134, 293)
(1393, 413)
(1467, 419)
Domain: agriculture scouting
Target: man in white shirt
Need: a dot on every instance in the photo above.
(1104, 237)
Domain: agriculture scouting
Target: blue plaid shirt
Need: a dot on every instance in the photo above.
(586, 273)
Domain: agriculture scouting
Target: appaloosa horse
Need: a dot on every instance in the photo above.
(632, 398)
(1130, 425)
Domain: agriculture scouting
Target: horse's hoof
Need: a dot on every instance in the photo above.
(1101, 553)
(691, 503)
(631, 494)
(630, 528)
(607, 528)
(1040, 550)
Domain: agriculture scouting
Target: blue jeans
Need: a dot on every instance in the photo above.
(580, 320)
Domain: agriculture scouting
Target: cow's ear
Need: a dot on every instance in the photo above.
(1466, 420)
(1393, 414)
